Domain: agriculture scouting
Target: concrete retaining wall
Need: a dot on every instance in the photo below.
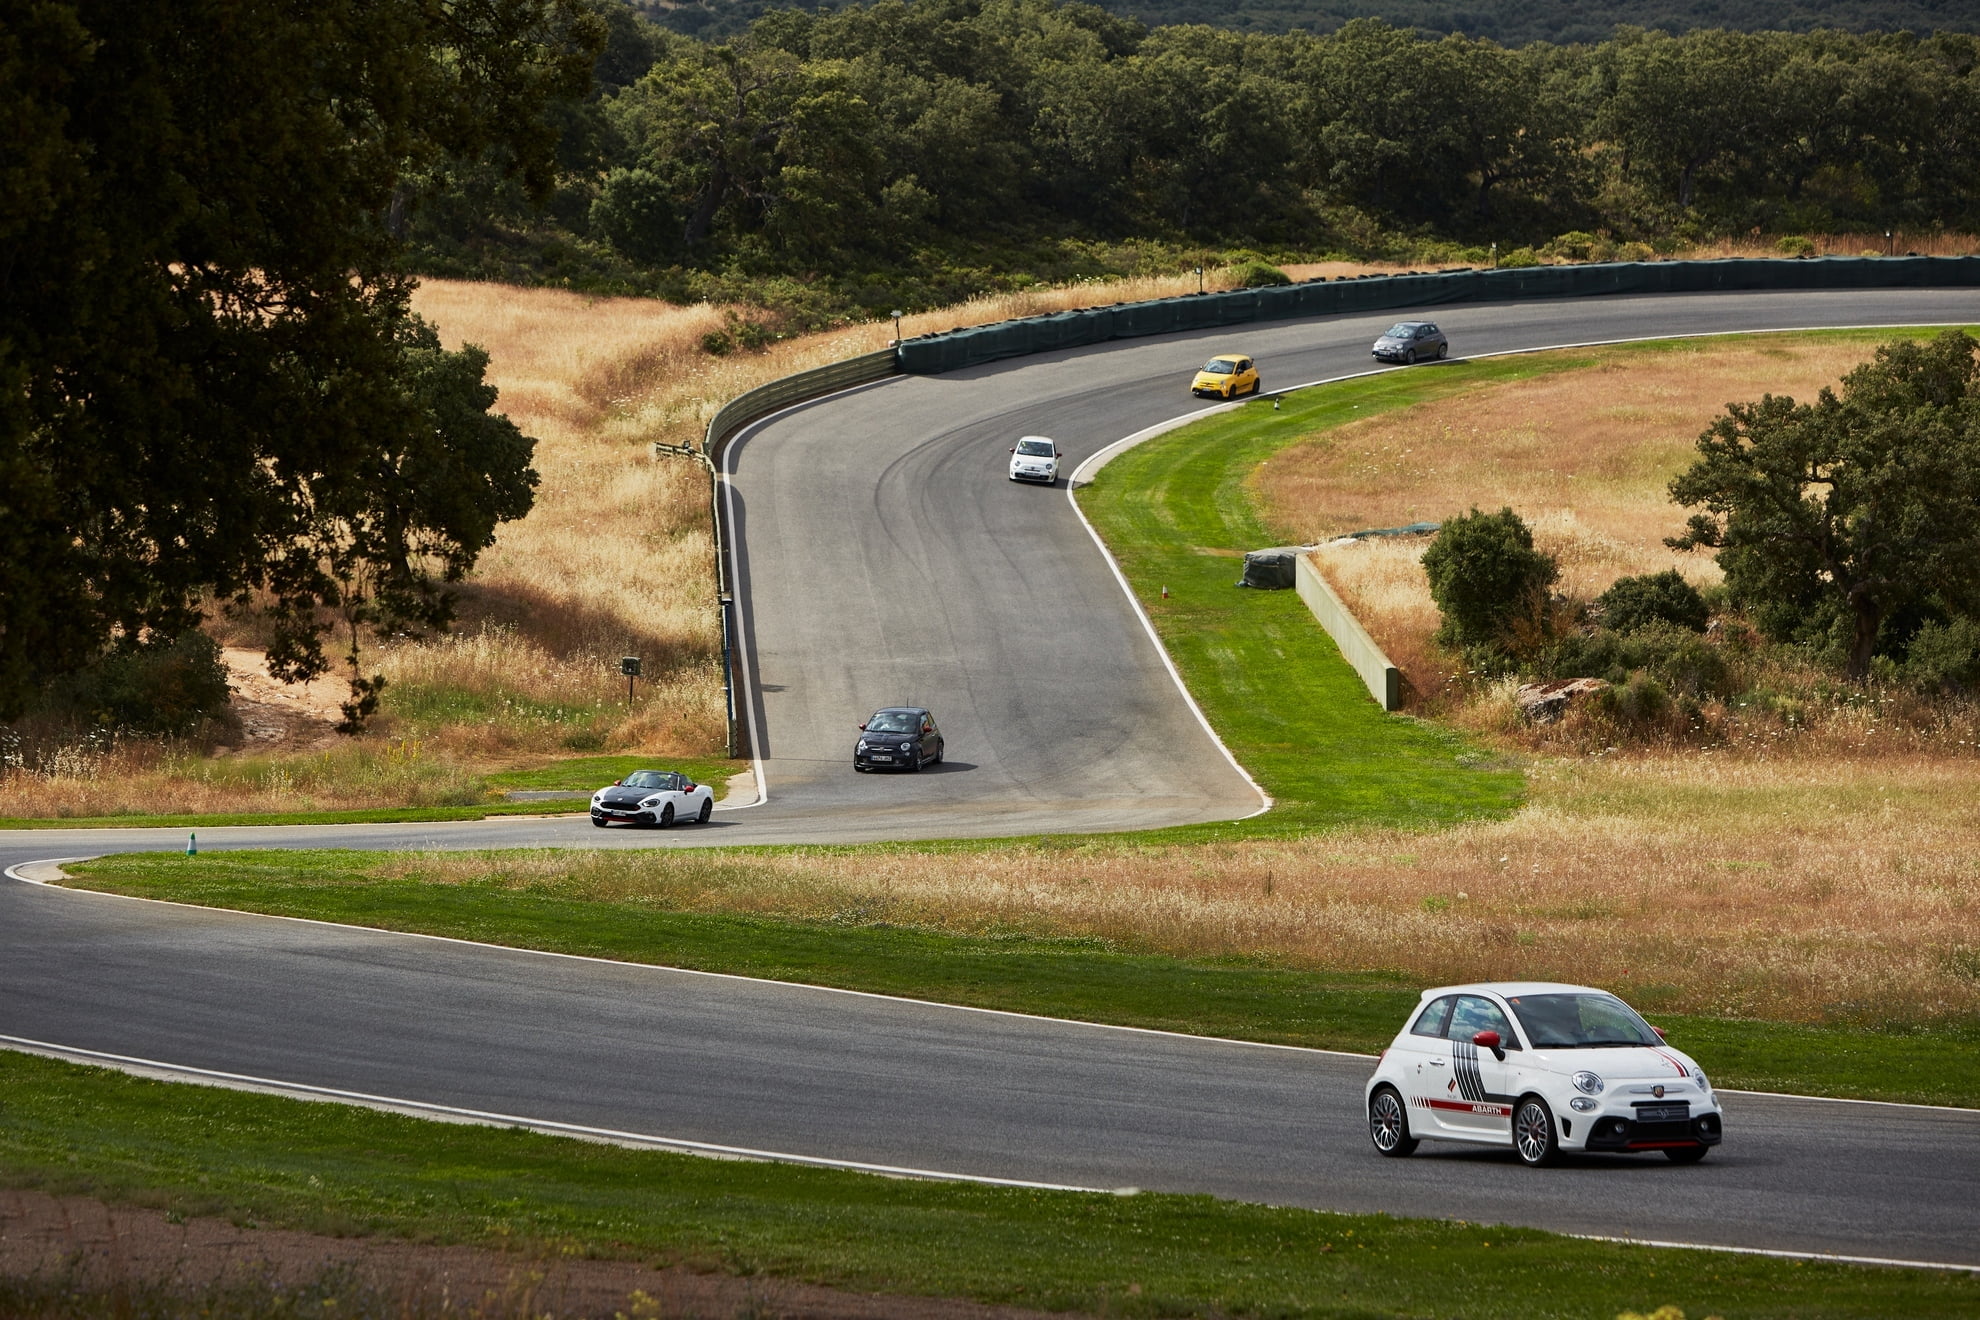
(1384, 680)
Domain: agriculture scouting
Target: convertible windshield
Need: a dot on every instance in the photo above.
(1220, 366)
(644, 779)
(1035, 448)
(1579, 1022)
(894, 721)
(1401, 330)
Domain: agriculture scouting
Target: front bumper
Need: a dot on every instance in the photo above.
(1615, 1132)
(625, 815)
(885, 760)
(1043, 478)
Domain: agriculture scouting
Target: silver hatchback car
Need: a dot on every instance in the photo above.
(1412, 341)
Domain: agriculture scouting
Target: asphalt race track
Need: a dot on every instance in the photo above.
(885, 559)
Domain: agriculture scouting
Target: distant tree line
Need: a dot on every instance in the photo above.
(830, 142)
(1509, 22)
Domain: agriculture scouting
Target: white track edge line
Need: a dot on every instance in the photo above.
(1825, 1256)
(13, 873)
(416, 1108)
(1095, 462)
(243, 1081)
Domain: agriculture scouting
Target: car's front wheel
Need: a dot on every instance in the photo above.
(1533, 1132)
(1388, 1123)
(707, 810)
(1409, 357)
(599, 821)
(666, 815)
(1685, 1154)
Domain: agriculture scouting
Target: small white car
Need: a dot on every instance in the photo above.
(1541, 1068)
(1035, 458)
(652, 797)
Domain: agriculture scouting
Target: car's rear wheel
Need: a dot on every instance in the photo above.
(1388, 1123)
(707, 810)
(1443, 351)
(1685, 1154)
(1533, 1132)
(939, 749)
(666, 815)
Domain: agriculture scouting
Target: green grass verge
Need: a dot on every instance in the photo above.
(579, 772)
(1070, 978)
(268, 1161)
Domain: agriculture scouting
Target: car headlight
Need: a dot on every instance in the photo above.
(908, 745)
(1703, 1085)
(647, 802)
(1581, 1104)
(862, 744)
(1587, 1083)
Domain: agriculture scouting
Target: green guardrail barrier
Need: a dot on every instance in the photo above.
(931, 354)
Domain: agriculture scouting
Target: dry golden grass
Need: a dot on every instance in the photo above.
(1802, 892)
(145, 780)
(1585, 457)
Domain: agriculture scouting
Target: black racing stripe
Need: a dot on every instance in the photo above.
(1464, 1059)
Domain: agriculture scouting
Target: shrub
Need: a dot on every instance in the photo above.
(1680, 660)
(1636, 602)
(1259, 275)
(1486, 577)
(1945, 657)
(1576, 245)
(167, 687)
(1795, 245)
(1518, 257)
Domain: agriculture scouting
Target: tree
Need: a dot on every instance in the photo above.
(210, 383)
(1833, 519)
(1487, 579)
(1634, 603)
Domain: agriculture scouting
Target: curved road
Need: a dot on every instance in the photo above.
(885, 559)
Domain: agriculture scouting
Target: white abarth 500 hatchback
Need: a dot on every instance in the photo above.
(1541, 1068)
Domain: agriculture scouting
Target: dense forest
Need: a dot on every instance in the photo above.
(903, 154)
(1509, 22)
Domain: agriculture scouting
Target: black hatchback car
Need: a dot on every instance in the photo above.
(898, 738)
(1411, 342)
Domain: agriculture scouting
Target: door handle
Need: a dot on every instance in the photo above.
(1436, 1063)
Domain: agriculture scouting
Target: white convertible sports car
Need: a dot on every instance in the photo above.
(652, 797)
(1542, 1068)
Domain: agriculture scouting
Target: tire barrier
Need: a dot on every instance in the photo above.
(754, 405)
(931, 354)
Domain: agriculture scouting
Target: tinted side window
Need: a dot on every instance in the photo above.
(1430, 1022)
(1475, 1014)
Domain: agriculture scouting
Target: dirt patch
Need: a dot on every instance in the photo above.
(99, 1246)
(281, 717)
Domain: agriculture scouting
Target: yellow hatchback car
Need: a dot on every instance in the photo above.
(1225, 377)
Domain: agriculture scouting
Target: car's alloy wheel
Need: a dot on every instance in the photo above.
(1533, 1133)
(666, 815)
(1685, 1154)
(1443, 351)
(599, 821)
(1409, 357)
(707, 810)
(1388, 1124)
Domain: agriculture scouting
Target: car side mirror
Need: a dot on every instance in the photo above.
(1490, 1040)
(1013, 449)
(617, 782)
(862, 728)
(1659, 1031)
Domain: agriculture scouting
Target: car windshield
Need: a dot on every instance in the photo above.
(1035, 448)
(644, 779)
(1579, 1022)
(1219, 366)
(894, 721)
(1401, 330)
